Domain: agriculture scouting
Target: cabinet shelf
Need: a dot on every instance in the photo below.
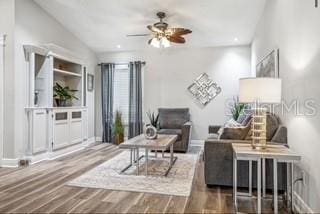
(66, 73)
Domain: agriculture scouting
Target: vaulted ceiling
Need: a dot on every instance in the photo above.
(103, 24)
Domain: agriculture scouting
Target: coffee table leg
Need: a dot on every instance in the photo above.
(172, 160)
(137, 163)
(146, 161)
(171, 154)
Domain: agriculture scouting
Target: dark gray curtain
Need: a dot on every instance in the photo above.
(135, 99)
(107, 75)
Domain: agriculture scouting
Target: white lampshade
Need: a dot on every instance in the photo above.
(262, 90)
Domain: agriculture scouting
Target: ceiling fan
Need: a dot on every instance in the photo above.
(162, 35)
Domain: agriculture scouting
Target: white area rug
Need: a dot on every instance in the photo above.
(106, 176)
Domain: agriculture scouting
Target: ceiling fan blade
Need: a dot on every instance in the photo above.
(176, 39)
(179, 31)
(154, 29)
(143, 34)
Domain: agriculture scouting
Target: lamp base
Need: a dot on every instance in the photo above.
(258, 126)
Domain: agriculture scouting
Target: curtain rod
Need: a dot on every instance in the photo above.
(143, 63)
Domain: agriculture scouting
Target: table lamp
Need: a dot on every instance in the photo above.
(259, 91)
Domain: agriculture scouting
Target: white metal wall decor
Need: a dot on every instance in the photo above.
(204, 89)
(150, 132)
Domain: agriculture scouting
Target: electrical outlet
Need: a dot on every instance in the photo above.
(303, 176)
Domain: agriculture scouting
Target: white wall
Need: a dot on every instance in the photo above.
(7, 20)
(293, 26)
(34, 26)
(2, 45)
(169, 72)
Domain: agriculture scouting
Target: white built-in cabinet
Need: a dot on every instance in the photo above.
(68, 127)
(51, 127)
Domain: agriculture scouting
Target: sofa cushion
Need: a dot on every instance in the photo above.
(173, 118)
(235, 133)
(272, 125)
(172, 131)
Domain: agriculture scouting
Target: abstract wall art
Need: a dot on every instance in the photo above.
(204, 89)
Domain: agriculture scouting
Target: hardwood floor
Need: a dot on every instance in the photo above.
(40, 188)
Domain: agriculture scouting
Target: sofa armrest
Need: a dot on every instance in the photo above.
(186, 131)
(185, 136)
(213, 129)
(218, 161)
(281, 135)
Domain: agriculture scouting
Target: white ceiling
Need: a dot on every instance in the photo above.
(104, 24)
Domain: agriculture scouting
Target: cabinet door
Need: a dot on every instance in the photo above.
(61, 129)
(76, 135)
(39, 131)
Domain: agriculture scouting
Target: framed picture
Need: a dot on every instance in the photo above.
(90, 82)
(269, 65)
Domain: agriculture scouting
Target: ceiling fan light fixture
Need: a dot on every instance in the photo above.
(155, 42)
(165, 42)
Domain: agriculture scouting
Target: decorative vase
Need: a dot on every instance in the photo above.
(60, 102)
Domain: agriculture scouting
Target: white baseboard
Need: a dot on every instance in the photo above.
(10, 162)
(299, 205)
(60, 153)
(98, 139)
(66, 151)
(37, 158)
(197, 143)
(90, 141)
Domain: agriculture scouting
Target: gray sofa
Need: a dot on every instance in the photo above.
(218, 158)
(176, 121)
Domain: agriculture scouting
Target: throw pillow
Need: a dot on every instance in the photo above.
(248, 115)
(242, 116)
(232, 123)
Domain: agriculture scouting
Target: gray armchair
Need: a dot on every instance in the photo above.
(176, 121)
(218, 157)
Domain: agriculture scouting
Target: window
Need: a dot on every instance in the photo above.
(121, 93)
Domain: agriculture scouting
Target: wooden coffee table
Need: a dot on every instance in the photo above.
(162, 143)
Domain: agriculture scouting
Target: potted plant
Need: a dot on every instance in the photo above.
(236, 108)
(154, 119)
(63, 94)
(118, 130)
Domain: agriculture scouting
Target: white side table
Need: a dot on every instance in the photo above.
(279, 153)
